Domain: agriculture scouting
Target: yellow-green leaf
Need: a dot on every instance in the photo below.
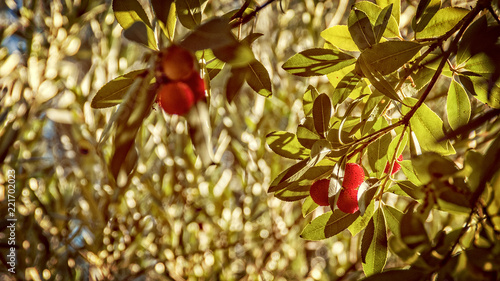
(458, 106)
(340, 37)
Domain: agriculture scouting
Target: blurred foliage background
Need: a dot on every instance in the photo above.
(173, 220)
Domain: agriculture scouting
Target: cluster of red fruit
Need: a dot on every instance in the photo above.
(354, 176)
(181, 85)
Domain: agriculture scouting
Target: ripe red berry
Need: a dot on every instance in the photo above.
(319, 192)
(354, 176)
(177, 63)
(197, 85)
(396, 166)
(348, 200)
(175, 98)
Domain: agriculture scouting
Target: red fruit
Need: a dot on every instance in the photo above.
(177, 63)
(319, 192)
(197, 85)
(348, 200)
(354, 176)
(396, 166)
(175, 98)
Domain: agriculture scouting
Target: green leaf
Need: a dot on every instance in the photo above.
(482, 89)
(112, 93)
(200, 132)
(340, 37)
(137, 33)
(258, 78)
(396, 10)
(443, 21)
(398, 274)
(411, 189)
(189, 12)
(129, 11)
(314, 62)
(471, 38)
(393, 218)
(286, 175)
(361, 29)
(322, 110)
(287, 145)
(389, 56)
(308, 100)
(235, 82)
(308, 206)
(377, 80)
(345, 87)
(139, 106)
(407, 168)
(328, 225)
(212, 34)
(372, 11)
(392, 147)
(375, 105)
(458, 106)
(362, 221)
(381, 23)
(213, 65)
(482, 63)
(238, 54)
(165, 12)
(422, 77)
(428, 128)
(307, 136)
(377, 153)
(374, 245)
(426, 9)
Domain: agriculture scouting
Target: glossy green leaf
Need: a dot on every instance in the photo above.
(389, 56)
(308, 206)
(428, 128)
(165, 12)
(235, 82)
(308, 100)
(382, 21)
(345, 87)
(307, 135)
(377, 153)
(398, 274)
(426, 9)
(112, 93)
(372, 11)
(478, 86)
(374, 245)
(396, 10)
(377, 80)
(443, 21)
(393, 218)
(322, 110)
(471, 38)
(362, 221)
(314, 62)
(189, 12)
(328, 225)
(361, 29)
(286, 145)
(340, 37)
(129, 11)
(258, 78)
(458, 106)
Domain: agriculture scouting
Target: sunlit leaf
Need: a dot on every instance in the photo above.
(393, 218)
(258, 78)
(396, 10)
(308, 206)
(129, 11)
(426, 9)
(443, 21)
(388, 57)
(428, 128)
(235, 82)
(328, 225)
(112, 93)
(458, 106)
(374, 245)
(286, 145)
(314, 62)
(362, 221)
(470, 38)
(340, 37)
(165, 12)
(382, 21)
(345, 87)
(372, 11)
(189, 12)
(361, 29)
(377, 80)
(308, 99)
(322, 110)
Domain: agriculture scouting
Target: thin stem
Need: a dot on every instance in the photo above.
(248, 17)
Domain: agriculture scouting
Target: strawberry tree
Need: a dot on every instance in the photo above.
(380, 110)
